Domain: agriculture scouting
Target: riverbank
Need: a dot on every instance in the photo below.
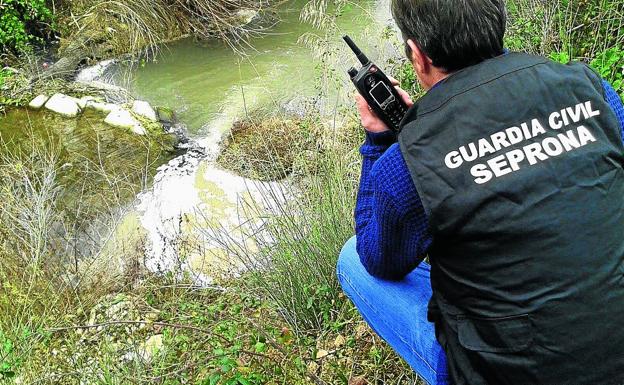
(98, 314)
(109, 325)
(171, 333)
(72, 286)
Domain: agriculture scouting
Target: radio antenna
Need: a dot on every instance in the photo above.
(361, 57)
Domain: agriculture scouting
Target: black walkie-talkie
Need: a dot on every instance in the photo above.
(377, 89)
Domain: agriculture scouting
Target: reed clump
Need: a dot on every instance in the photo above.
(269, 148)
(134, 26)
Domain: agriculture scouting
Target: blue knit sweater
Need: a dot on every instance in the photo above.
(391, 224)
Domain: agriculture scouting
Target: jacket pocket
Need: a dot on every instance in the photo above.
(495, 335)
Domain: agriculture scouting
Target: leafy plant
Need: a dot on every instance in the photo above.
(23, 22)
(560, 57)
(586, 30)
(9, 357)
(4, 76)
(6, 351)
(610, 65)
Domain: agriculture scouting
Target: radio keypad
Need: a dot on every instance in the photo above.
(395, 113)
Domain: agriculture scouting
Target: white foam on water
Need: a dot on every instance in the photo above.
(95, 72)
(184, 188)
(176, 193)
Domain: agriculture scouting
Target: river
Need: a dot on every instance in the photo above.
(210, 87)
(209, 84)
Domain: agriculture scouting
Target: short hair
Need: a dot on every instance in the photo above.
(454, 34)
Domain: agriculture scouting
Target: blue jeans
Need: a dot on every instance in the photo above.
(397, 311)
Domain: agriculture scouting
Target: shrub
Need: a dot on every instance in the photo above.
(268, 149)
(587, 30)
(610, 65)
(291, 254)
(23, 22)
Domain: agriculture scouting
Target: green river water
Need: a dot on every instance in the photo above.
(210, 87)
(207, 83)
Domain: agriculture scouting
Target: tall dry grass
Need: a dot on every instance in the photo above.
(61, 250)
(141, 25)
(290, 237)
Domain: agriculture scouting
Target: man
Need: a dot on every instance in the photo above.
(508, 175)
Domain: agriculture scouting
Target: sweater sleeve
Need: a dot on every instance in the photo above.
(615, 102)
(391, 225)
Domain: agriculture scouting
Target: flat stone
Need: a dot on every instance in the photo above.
(38, 102)
(123, 119)
(82, 102)
(143, 108)
(101, 107)
(151, 347)
(63, 105)
(321, 353)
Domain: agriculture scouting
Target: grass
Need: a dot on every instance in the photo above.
(295, 249)
(135, 26)
(269, 148)
(284, 320)
(291, 263)
(61, 202)
(201, 336)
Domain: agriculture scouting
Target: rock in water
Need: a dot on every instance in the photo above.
(95, 72)
(144, 109)
(63, 105)
(101, 107)
(123, 119)
(84, 101)
(166, 116)
(38, 102)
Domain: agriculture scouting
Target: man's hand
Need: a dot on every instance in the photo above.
(370, 121)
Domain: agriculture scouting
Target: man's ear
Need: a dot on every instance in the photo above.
(422, 63)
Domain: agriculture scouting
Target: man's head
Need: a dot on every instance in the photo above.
(443, 36)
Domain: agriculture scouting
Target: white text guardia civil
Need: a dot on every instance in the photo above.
(530, 154)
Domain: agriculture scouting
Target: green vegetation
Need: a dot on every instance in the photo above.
(301, 241)
(61, 197)
(588, 30)
(120, 26)
(269, 148)
(591, 31)
(80, 32)
(76, 307)
(23, 22)
(171, 333)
